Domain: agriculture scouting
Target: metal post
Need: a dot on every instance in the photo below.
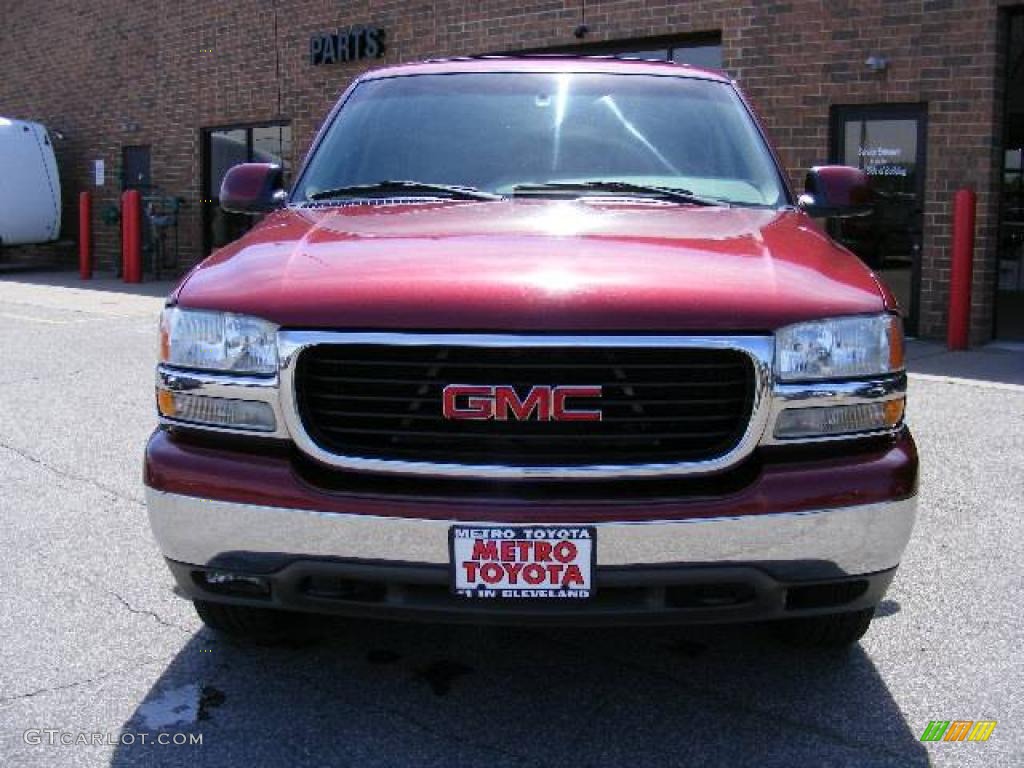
(958, 329)
(131, 235)
(85, 236)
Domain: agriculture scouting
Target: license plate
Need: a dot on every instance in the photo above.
(523, 562)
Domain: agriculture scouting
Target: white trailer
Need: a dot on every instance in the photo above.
(29, 185)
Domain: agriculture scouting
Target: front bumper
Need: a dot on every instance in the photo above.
(723, 569)
(820, 543)
(821, 530)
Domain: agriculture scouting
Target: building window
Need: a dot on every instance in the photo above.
(703, 55)
(227, 147)
(699, 50)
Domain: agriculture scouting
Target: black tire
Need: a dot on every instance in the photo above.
(831, 630)
(246, 623)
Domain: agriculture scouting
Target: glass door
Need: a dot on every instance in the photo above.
(1009, 314)
(888, 142)
(227, 147)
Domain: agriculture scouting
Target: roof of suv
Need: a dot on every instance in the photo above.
(547, 63)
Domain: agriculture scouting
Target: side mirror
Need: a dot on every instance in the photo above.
(836, 191)
(252, 188)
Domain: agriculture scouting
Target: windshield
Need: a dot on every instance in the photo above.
(498, 131)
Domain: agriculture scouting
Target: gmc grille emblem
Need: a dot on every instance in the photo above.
(502, 403)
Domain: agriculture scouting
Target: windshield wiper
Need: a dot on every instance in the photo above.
(404, 187)
(668, 193)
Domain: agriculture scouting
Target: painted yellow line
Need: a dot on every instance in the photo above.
(13, 316)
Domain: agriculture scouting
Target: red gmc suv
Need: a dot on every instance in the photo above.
(535, 340)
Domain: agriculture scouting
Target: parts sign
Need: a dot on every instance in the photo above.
(529, 562)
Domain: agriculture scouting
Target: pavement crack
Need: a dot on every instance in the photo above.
(69, 475)
(84, 681)
(146, 612)
(432, 730)
(128, 605)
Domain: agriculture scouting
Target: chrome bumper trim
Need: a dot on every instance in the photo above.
(821, 394)
(760, 350)
(857, 539)
(824, 393)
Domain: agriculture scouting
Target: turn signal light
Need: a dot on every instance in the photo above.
(896, 347)
(216, 411)
(894, 412)
(838, 420)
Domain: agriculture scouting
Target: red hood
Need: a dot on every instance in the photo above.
(533, 266)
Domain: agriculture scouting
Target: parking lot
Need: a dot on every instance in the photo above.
(93, 641)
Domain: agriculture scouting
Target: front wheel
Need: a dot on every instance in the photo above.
(244, 622)
(831, 630)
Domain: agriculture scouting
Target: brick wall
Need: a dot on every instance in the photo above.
(111, 73)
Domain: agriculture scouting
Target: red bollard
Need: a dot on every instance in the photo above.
(131, 241)
(85, 236)
(958, 327)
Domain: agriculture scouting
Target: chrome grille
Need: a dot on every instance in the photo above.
(661, 405)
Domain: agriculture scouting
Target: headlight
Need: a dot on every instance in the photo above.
(217, 341)
(839, 348)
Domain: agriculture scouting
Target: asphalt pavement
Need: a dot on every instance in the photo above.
(93, 642)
